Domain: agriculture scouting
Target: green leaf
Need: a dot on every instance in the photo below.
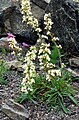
(34, 101)
(51, 97)
(22, 98)
(54, 55)
(59, 93)
(63, 107)
(53, 90)
(73, 99)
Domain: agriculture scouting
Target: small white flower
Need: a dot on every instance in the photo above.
(32, 81)
(23, 89)
(38, 30)
(13, 53)
(59, 46)
(48, 32)
(44, 36)
(63, 65)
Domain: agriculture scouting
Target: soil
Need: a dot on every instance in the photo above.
(12, 90)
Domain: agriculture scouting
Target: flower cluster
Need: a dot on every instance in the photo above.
(47, 81)
(12, 43)
(45, 64)
(44, 58)
(48, 23)
(43, 49)
(29, 70)
(52, 73)
(27, 15)
(43, 55)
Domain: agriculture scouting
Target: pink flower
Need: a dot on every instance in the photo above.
(10, 35)
(25, 45)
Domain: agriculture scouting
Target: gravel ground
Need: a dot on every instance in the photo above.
(11, 90)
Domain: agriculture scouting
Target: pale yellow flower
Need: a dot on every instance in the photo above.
(23, 89)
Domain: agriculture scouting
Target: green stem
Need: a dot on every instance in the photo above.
(59, 54)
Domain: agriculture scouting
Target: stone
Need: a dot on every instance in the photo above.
(11, 21)
(11, 15)
(6, 8)
(64, 13)
(4, 43)
(10, 10)
(41, 3)
(14, 64)
(15, 111)
(75, 73)
(5, 4)
(37, 11)
(66, 20)
(74, 62)
(17, 26)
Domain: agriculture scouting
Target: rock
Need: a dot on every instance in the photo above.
(64, 15)
(66, 20)
(15, 111)
(11, 17)
(37, 11)
(11, 21)
(14, 64)
(10, 10)
(75, 73)
(74, 62)
(41, 3)
(6, 8)
(17, 26)
(5, 4)
(4, 44)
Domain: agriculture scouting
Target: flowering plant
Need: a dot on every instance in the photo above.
(13, 43)
(45, 79)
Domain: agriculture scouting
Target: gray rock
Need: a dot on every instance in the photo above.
(14, 64)
(37, 11)
(41, 3)
(17, 26)
(74, 62)
(4, 4)
(11, 16)
(15, 111)
(65, 18)
(4, 43)
(75, 73)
